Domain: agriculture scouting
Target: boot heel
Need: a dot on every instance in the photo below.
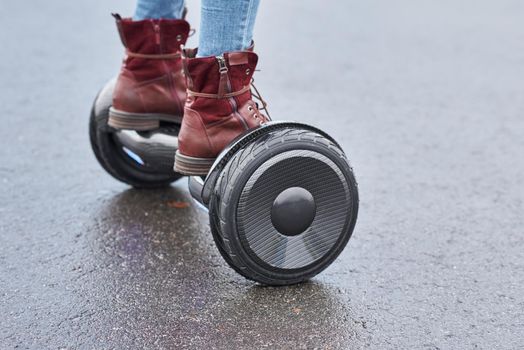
(191, 165)
(123, 120)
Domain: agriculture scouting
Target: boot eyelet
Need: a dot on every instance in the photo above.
(179, 37)
(248, 71)
(250, 108)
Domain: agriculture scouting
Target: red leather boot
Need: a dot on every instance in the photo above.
(151, 87)
(218, 108)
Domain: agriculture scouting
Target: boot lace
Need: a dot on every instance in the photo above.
(255, 93)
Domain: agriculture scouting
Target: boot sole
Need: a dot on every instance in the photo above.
(192, 165)
(138, 121)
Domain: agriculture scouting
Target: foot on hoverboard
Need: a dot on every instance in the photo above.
(150, 88)
(218, 108)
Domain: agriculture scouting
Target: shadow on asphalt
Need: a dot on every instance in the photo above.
(160, 276)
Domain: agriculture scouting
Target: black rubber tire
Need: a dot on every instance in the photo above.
(113, 160)
(224, 201)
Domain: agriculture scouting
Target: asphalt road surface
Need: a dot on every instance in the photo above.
(427, 99)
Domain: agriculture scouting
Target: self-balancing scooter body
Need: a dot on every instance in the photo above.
(282, 198)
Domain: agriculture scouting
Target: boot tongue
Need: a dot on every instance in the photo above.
(153, 36)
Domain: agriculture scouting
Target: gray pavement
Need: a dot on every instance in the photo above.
(426, 97)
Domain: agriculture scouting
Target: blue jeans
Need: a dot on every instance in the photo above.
(226, 25)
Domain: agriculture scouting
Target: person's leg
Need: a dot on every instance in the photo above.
(226, 25)
(155, 9)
